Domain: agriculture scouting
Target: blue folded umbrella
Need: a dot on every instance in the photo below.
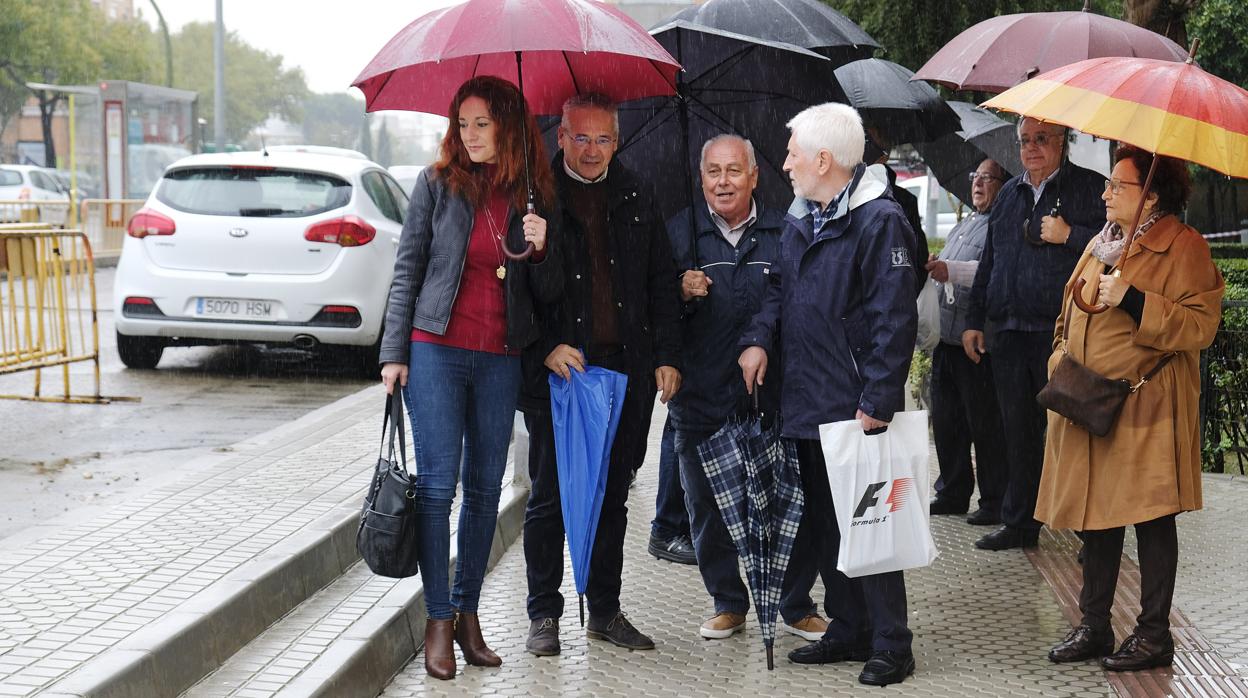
(586, 412)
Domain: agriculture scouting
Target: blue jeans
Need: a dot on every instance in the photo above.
(671, 518)
(462, 404)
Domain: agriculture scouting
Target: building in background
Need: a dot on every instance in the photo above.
(116, 9)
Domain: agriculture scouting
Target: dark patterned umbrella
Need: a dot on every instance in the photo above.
(754, 475)
(810, 24)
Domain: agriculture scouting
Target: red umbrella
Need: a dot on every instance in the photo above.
(562, 47)
(567, 47)
(1001, 52)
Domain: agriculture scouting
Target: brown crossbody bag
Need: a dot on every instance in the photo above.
(1085, 397)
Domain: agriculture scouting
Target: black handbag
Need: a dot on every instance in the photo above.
(1085, 397)
(387, 537)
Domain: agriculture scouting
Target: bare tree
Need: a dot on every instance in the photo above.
(1166, 17)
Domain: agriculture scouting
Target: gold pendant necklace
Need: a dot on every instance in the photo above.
(501, 271)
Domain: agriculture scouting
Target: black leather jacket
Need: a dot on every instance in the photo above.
(430, 263)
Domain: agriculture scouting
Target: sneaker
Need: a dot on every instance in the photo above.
(723, 625)
(809, 628)
(678, 550)
(618, 631)
(543, 637)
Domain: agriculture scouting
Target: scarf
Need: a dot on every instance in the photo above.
(1112, 241)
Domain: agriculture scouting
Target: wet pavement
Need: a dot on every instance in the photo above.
(70, 460)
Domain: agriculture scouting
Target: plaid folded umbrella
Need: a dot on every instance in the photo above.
(754, 475)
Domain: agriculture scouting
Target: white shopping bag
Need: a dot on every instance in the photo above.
(879, 488)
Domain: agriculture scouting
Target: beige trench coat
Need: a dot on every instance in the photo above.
(1149, 464)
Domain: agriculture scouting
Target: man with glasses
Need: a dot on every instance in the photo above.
(964, 400)
(1039, 225)
(621, 311)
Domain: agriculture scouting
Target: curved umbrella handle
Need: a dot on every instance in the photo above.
(518, 256)
(1085, 306)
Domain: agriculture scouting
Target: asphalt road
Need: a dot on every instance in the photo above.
(63, 461)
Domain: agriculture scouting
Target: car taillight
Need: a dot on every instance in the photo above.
(140, 306)
(348, 231)
(148, 222)
(337, 316)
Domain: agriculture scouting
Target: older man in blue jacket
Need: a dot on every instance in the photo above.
(1039, 225)
(841, 308)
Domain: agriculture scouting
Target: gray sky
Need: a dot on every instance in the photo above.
(332, 40)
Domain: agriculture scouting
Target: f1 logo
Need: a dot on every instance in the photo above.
(868, 498)
(896, 498)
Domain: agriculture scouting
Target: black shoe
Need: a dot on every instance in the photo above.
(885, 667)
(618, 631)
(1138, 653)
(825, 651)
(983, 517)
(1081, 644)
(543, 637)
(678, 550)
(938, 507)
(1005, 538)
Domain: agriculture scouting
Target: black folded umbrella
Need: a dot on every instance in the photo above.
(810, 24)
(982, 135)
(901, 110)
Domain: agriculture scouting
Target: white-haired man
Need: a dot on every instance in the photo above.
(841, 309)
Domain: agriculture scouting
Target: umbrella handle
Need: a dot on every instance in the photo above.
(529, 248)
(1085, 306)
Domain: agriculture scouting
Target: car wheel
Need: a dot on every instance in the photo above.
(139, 352)
(365, 362)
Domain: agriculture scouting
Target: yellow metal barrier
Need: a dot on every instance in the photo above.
(104, 221)
(48, 317)
(57, 213)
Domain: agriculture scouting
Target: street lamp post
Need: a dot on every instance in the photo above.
(218, 99)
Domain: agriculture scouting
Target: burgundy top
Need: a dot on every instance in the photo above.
(479, 317)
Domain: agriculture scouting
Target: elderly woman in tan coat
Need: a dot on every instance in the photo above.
(1147, 469)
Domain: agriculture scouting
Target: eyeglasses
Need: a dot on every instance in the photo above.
(1116, 186)
(602, 141)
(973, 176)
(1040, 139)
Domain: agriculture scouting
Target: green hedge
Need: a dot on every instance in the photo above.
(1235, 271)
(1228, 250)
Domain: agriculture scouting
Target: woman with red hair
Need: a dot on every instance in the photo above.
(461, 319)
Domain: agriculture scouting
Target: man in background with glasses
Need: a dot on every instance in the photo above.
(964, 399)
(620, 311)
(1039, 226)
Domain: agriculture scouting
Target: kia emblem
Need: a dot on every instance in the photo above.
(238, 232)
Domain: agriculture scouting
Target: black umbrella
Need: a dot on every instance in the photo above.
(902, 111)
(982, 135)
(731, 84)
(809, 24)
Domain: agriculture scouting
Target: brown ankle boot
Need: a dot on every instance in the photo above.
(468, 635)
(439, 652)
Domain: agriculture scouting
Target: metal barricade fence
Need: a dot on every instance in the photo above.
(104, 221)
(48, 317)
(55, 213)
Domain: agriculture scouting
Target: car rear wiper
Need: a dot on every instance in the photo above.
(261, 211)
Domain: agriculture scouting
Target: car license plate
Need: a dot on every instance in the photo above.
(234, 308)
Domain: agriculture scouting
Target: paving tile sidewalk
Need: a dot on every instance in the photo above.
(983, 622)
(71, 596)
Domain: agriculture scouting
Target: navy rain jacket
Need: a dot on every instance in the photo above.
(711, 387)
(841, 303)
(1018, 285)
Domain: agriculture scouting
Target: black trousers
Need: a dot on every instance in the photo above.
(1020, 369)
(1158, 551)
(965, 413)
(543, 517)
(868, 611)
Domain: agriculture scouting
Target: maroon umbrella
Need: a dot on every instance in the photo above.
(551, 49)
(567, 47)
(1004, 51)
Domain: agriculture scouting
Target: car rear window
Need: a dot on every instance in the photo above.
(10, 178)
(252, 191)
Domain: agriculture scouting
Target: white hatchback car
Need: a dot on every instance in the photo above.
(287, 248)
(28, 183)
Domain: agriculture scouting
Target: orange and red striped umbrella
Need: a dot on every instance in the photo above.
(1164, 107)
